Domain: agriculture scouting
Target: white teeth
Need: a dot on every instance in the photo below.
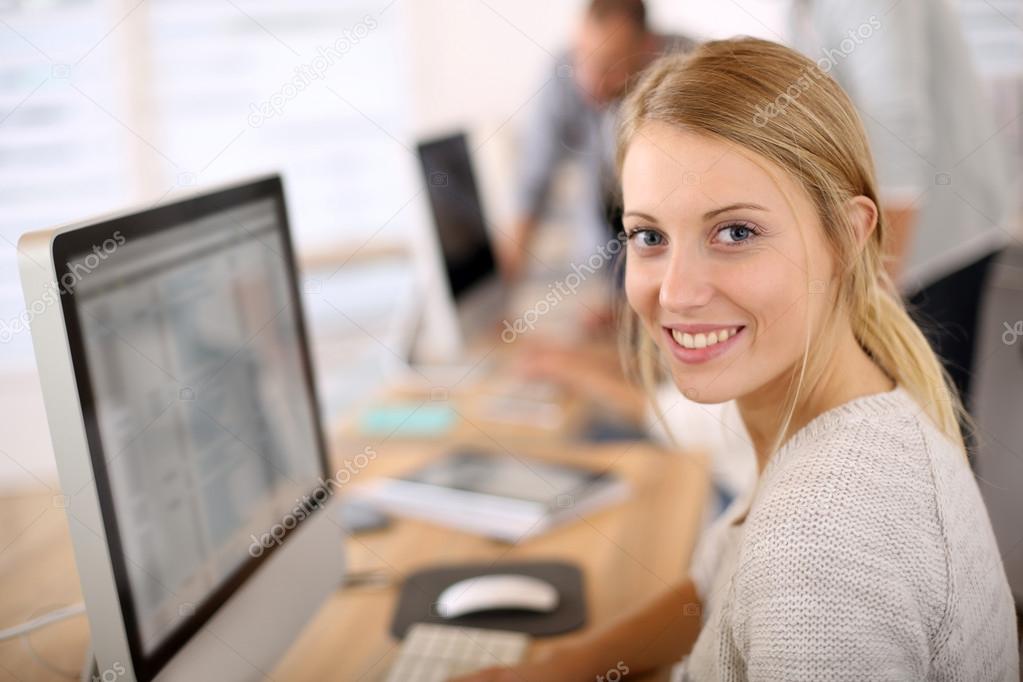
(703, 340)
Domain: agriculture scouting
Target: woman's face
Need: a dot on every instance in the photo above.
(726, 262)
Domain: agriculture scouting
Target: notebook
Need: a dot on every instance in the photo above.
(505, 497)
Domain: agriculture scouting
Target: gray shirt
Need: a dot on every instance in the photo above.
(867, 554)
(908, 70)
(564, 126)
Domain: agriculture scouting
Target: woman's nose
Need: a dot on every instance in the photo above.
(686, 282)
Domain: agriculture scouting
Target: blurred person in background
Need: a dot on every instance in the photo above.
(575, 116)
(942, 174)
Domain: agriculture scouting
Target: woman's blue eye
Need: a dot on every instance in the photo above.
(646, 237)
(736, 233)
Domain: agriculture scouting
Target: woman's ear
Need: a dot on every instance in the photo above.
(863, 215)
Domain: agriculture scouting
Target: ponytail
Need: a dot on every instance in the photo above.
(884, 328)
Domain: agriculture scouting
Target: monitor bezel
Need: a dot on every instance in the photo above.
(423, 147)
(80, 241)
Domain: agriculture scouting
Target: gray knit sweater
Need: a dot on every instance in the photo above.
(867, 554)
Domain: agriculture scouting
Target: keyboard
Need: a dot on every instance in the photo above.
(435, 653)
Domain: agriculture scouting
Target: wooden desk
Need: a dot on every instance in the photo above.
(627, 553)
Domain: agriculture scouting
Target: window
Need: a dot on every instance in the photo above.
(108, 103)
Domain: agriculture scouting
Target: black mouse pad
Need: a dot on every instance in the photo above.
(420, 591)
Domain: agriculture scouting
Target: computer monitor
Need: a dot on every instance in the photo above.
(474, 286)
(180, 397)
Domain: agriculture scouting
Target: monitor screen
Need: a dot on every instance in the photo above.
(190, 353)
(457, 213)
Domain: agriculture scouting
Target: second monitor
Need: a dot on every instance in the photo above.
(469, 263)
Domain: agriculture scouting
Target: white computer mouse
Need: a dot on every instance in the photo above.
(498, 591)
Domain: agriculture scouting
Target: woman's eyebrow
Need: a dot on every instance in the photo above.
(731, 207)
(638, 214)
(706, 216)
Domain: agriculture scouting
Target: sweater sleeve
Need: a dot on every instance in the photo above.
(840, 578)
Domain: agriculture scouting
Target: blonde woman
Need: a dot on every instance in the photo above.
(754, 274)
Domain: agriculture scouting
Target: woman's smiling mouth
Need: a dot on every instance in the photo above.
(695, 344)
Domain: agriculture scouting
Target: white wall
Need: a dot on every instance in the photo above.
(480, 60)
(723, 19)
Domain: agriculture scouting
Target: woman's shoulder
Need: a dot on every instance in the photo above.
(884, 439)
(874, 522)
(857, 484)
(869, 530)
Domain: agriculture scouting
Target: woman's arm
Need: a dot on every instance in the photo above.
(656, 634)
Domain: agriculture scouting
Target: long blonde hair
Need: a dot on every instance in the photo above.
(778, 104)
